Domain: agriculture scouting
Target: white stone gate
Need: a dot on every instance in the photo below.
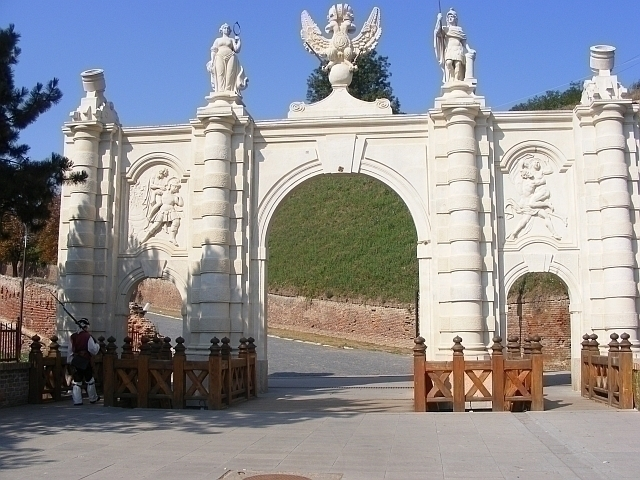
(493, 195)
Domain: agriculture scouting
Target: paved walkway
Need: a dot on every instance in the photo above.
(322, 428)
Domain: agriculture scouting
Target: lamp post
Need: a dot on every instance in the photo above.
(24, 274)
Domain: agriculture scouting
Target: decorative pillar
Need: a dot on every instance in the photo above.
(618, 259)
(463, 202)
(84, 219)
(214, 233)
(603, 101)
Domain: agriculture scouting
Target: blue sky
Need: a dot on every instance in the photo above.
(154, 52)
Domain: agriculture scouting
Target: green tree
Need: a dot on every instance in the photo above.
(370, 81)
(566, 100)
(27, 187)
(634, 91)
(12, 245)
(553, 99)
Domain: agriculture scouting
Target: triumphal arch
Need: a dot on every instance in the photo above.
(493, 195)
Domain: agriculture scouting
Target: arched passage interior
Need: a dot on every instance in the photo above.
(538, 303)
(343, 263)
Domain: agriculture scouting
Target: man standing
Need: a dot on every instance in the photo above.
(83, 347)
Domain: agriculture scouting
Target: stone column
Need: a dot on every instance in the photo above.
(214, 233)
(618, 259)
(80, 210)
(85, 222)
(463, 202)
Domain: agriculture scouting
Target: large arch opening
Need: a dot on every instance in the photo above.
(343, 272)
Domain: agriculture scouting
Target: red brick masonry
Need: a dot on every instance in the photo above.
(547, 316)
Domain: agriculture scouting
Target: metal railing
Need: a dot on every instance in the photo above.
(10, 342)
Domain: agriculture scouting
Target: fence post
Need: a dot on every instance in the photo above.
(226, 355)
(513, 347)
(585, 373)
(165, 352)
(156, 347)
(215, 375)
(594, 350)
(526, 347)
(35, 371)
(108, 372)
(243, 352)
(626, 373)
(252, 354)
(127, 348)
(419, 374)
(497, 375)
(143, 373)
(613, 376)
(458, 375)
(54, 352)
(179, 359)
(537, 379)
(225, 350)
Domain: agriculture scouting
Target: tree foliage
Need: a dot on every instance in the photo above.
(370, 81)
(566, 100)
(27, 187)
(553, 99)
(634, 91)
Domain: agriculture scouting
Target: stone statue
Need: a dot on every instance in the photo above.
(340, 49)
(227, 75)
(167, 213)
(535, 199)
(153, 200)
(452, 51)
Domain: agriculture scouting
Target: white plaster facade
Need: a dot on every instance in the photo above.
(493, 195)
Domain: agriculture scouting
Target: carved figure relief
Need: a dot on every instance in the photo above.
(529, 177)
(227, 75)
(155, 207)
(452, 51)
(340, 48)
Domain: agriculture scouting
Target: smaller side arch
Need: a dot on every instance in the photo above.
(138, 274)
(554, 267)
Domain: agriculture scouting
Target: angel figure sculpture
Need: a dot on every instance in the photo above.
(535, 196)
(341, 48)
(227, 75)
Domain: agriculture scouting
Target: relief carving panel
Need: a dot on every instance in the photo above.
(535, 203)
(156, 208)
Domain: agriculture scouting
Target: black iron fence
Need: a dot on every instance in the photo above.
(9, 342)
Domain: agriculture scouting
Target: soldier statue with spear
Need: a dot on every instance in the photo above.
(452, 51)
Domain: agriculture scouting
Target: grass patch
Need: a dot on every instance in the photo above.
(344, 237)
(537, 284)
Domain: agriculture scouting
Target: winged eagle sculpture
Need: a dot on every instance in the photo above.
(340, 48)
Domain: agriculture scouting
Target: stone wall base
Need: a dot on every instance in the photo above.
(14, 384)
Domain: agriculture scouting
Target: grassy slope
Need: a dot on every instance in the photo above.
(344, 237)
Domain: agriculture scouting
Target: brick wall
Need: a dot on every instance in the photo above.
(39, 305)
(547, 316)
(161, 294)
(14, 384)
(366, 323)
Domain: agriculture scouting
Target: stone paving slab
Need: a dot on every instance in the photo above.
(93, 442)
